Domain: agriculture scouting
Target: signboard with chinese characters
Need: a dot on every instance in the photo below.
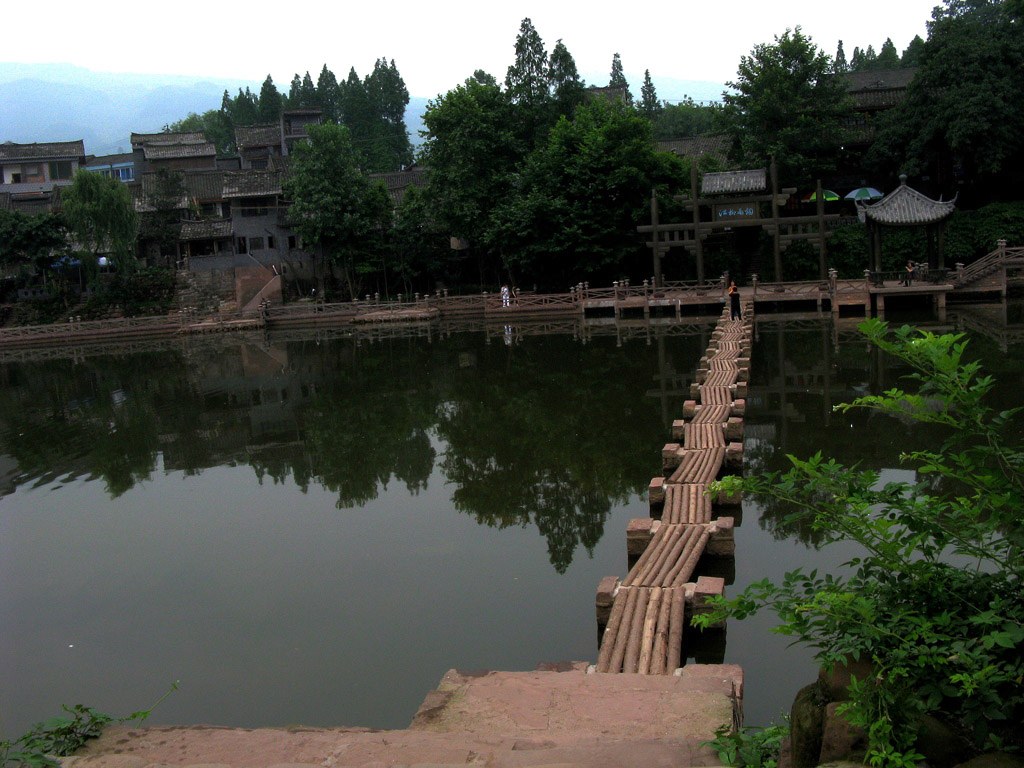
(735, 211)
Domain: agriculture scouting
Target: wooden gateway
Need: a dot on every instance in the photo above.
(736, 199)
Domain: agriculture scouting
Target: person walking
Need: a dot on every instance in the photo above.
(735, 312)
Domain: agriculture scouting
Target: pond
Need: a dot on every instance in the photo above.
(314, 528)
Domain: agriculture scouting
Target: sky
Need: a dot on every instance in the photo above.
(437, 45)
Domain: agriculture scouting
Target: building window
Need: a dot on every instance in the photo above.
(32, 173)
(255, 243)
(60, 170)
(241, 245)
(270, 242)
(125, 174)
(257, 211)
(292, 242)
(258, 165)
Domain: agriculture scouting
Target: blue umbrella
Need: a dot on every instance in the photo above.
(864, 193)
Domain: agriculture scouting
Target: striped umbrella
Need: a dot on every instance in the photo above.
(826, 194)
(864, 193)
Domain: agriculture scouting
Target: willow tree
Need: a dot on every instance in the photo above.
(100, 217)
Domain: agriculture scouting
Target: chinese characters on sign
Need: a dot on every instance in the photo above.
(726, 212)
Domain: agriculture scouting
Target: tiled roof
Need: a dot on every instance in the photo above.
(200, 187)
(263, 135)
(396, 183)
(159, 151)
(879, 89)
(713, 144)
(206, 230)
(51, 150)
(186, 137)
(733, 182)
(906, 206)
(251, 183)
(103, 160)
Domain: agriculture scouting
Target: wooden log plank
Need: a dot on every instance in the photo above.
(682, 568)
(622, 636)
(611, 632)
(659, 654)
(650, 624)
(662, 576)
(690, 563)
(643, 573)
(631, 660)
(677, 617)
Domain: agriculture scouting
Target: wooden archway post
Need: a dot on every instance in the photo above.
(776, 249)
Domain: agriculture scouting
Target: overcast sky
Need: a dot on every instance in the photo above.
(436, 45)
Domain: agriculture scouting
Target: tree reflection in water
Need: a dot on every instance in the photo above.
(548, 432)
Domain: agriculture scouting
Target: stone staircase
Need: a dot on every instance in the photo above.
(205, 293)
(499, 719)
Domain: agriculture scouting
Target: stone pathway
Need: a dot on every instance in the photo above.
(550, 719)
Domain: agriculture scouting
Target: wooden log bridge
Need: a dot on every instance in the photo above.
(642, 618)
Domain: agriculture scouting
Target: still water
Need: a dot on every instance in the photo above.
(313, 529)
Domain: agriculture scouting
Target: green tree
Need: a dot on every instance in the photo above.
(244, 109)
(526, 84)
(388, 148)
(100, 217)
(686, 118)
(269, 104)
(213, 124)
(839, 64)
(912, 53)
(564, 82)
(335, 205)
(356, 112)
(471, 152)
(578, 200)
(786, 103)
(618, 78)
(888, 56)
(650, 107)
(29, 240)
(963, 118)
(327, 89)
(933, 603)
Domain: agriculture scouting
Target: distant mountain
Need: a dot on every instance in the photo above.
(62, 102)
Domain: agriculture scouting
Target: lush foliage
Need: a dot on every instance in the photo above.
(933, 603)
(335, 205)
(577, 202)
(29, 240)
(749, 747)
(786, 103)
(100, 217)
(963, 118)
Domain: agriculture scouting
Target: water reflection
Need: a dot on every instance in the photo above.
(313, 528)
(546, 434)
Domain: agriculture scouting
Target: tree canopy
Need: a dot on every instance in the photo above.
(335, 205)
(786, 103)
(99, 215)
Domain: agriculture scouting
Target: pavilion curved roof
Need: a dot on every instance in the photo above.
(906, 206)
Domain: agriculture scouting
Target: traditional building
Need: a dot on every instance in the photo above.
(185, 151)
(30, 173)
(906, 207)
(120, 166)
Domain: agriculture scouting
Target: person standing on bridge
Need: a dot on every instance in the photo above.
(734, 302)
(909, 276)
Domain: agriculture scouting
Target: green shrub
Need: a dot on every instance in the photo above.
(934, 603)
